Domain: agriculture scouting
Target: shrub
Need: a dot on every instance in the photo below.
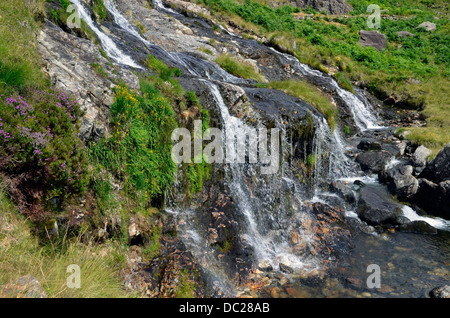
(38, 143)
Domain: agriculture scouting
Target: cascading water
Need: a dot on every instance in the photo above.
(363, 114)
(194, 66)
(254, 206)
(108, 44)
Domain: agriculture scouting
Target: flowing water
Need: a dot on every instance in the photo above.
(267, 222)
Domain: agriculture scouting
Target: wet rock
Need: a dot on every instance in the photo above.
(400, 181)
(420, 227)
(376, 207)
(440, 292)
(373, 161)
(433, 198)
(286, 268)
(419, 158)
(427, 26)
(344, 191)
(372, 38)
(25, 287)
(265, 266)
(438, 169)
(369, 145)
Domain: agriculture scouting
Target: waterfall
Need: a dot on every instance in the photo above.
(108, 44)
(257, 208)
(363, 114)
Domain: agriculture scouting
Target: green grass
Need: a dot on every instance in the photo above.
(18, 53)
(21, 254)
(239, 67)
(310, 94)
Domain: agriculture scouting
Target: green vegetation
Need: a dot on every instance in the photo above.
(21, 254)
(100, 9)
(205, 50)
(239, 67)
(138, 151)
(310, 94)
(18, 31)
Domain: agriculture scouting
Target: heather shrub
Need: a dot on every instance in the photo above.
(40, 150)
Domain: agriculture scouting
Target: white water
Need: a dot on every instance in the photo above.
(108, 44)
(435, 222)
(265, 246)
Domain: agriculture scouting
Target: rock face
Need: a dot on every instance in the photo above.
(76, 66)
(372, 38)
(419, 158)
(330, 6)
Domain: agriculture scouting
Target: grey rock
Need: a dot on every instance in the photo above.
(373, 161)
(330, 6)
(68, 61)
(419, 158)
(428, 26)
(404, 34)
(377, 208)
(372, 38)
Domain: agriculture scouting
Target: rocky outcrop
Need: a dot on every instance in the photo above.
(400, 181)
(76, 66)
(329, 6)
(438, 169)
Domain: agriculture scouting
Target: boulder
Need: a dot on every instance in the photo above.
(419, 158)
(400, 181)
(438, 169)
(376, 207)
(372, 38)
(427, 26)
(440, 292)
(433, 198)
(420, 227)
(373, 161)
